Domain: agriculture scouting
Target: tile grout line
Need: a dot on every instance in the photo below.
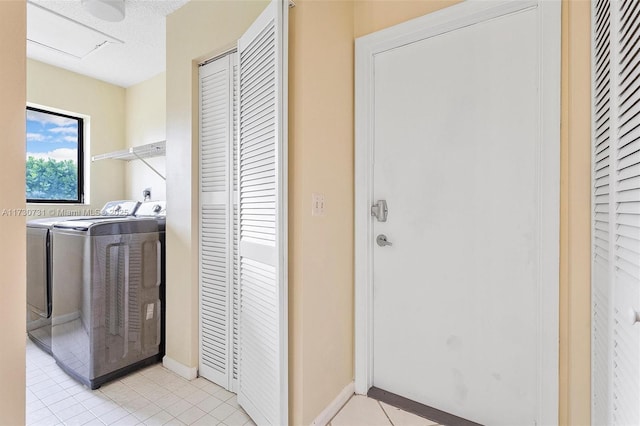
(385, 413)
(341, 408)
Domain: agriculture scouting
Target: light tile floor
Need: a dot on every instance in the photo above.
(152, 396)
(363, 411)
(157, 396)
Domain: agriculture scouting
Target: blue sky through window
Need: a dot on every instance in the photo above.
(51, 136)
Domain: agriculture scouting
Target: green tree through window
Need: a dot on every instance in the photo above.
(54, 157)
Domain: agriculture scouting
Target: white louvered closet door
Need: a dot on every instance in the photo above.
(262, 365)
(626, 210)
(616, 215)
(218, 210)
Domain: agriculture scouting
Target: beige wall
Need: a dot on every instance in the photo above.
(195, 32)
(12, 246)
(575, 216)
(104, 103)
(320, 247)
(146, 119)
(372, 15)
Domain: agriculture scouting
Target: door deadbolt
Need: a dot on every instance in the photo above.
(382, 240)
(380, 210)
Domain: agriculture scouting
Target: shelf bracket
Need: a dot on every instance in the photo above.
(149, 165)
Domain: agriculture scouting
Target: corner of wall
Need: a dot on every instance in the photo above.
(12, 198)
(575, 211)
(146, 122)
(180, 369)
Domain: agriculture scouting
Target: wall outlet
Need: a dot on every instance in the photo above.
(317, 204)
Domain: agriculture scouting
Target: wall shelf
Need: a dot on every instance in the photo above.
(155, 149)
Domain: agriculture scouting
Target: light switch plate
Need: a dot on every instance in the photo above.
(317, 204)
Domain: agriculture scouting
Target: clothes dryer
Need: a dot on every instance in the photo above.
(158, 210)
(39, 268)
(106, 308)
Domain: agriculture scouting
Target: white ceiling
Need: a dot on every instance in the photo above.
(142, 31)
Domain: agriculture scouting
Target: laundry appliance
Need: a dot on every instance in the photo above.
(39, 269)
(158, 210)
(106, 307)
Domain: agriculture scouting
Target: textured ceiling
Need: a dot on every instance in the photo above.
(142, 55)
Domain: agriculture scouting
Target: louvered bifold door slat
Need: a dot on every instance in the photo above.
(601, 288)
(236, 231)
(626, 205)
(262, 363)
(215, 223)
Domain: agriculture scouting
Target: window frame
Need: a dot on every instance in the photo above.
(79, 161)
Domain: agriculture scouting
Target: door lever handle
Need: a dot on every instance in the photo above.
(382, 241)
(380, 210)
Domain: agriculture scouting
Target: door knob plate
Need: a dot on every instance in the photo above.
(382, 241)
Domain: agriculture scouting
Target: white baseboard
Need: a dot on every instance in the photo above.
(332, 409)
(182, 370)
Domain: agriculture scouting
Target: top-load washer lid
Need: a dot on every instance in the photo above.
(47, 222)
(120, 208)
(157, 209)
(115, 208)
(108, 226)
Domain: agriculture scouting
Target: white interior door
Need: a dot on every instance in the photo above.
(218, 221)
(462, 159)
(262, 367)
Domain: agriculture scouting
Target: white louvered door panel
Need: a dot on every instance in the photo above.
(616, 214)
(601, 287)
(626, 333)
(216, 221)
(262, 368)
(236, 230)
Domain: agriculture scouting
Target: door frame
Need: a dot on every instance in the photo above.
(451, 18)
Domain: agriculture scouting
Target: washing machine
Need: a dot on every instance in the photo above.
(106, 307)
(157, 210)
(39, 269)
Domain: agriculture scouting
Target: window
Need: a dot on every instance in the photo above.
(54, 157)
